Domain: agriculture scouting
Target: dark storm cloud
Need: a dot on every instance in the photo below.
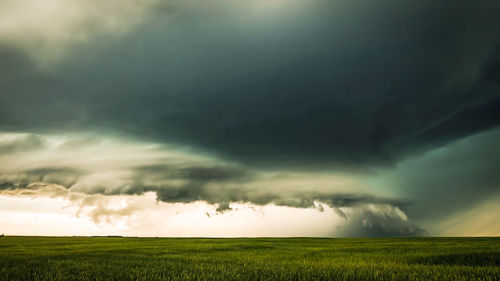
(452, 179)
(214, 184)
(356, 83)
(298, 199)
(29, 97)
(195, 173)
(180, 178)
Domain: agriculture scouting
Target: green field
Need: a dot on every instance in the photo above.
(101, 258)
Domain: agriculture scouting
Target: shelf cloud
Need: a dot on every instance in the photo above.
(91, 168)
(377, 111)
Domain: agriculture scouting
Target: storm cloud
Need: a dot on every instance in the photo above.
(175, 175)
(450, 180)
(89, 170)
(290, 103)
(357, 83)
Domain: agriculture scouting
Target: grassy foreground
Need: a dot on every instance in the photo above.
(39, 258)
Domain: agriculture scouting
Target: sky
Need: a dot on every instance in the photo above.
(223, 118)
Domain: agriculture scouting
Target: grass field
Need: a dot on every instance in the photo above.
(101, 258)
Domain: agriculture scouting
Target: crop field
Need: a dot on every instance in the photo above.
(108, 258)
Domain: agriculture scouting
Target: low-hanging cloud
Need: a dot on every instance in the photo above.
(449, 181)
(379, 220)
(175, 175)
(359, 220)
(93, 169)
